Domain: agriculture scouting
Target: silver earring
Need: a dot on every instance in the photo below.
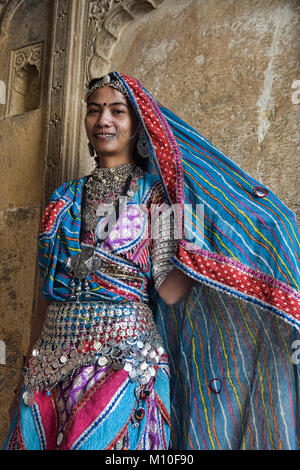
(91, 150)
(142, 145)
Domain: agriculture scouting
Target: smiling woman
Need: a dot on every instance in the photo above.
(111, 126)
(98, 348)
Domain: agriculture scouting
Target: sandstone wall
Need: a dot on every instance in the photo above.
(23, 74)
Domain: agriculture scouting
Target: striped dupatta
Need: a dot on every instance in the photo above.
(233, 342)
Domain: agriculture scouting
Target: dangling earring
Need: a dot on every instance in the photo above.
(91, 150)
(142, 144)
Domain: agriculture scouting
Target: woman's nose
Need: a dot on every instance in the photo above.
(104, 118)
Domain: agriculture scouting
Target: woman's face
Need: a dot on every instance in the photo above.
(111, 123)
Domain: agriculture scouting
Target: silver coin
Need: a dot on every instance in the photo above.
(26, 398)
(145, 379)
(59, 438)
(132, 374)
(102, 361)
(63, 359)
(144, 366)
(130, 341)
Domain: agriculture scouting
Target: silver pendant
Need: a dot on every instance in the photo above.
(84, 263)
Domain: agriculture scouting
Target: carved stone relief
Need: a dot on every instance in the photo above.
(106, 19)
(7, 10)
(24, 86)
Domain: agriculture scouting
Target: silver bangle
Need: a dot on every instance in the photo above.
(162, 252)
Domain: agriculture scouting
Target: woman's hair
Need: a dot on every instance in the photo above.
(140, 161)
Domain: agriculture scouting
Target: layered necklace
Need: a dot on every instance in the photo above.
(105, 186)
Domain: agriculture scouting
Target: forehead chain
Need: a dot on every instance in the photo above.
(106, 80)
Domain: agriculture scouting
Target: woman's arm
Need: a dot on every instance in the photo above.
(171, 283)
(175, 287)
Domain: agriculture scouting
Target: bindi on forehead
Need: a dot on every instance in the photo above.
(107, 94)
(114, 103)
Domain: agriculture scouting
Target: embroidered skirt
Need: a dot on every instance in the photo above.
(117, 400)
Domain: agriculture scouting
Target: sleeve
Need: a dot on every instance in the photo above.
(48, 241)
(163, 242)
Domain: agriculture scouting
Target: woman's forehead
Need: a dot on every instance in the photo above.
(107, 94)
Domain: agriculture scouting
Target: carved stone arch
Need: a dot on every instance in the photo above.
(84, 36)
(7, 10)
(108, 30)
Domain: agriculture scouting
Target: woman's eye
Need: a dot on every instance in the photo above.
(118, 111)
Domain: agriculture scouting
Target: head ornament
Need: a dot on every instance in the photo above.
(112, 81)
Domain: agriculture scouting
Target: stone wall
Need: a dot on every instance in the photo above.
(23, 74)
(228, 67)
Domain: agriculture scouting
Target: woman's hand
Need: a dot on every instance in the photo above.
(175, 287)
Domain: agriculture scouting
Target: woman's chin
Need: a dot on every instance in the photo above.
(106, 148)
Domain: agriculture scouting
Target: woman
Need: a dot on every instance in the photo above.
(231, 340)
(99, 341)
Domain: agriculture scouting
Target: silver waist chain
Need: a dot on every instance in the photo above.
(119, 335)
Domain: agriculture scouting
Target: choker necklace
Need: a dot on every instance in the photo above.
(105, 182)
(105, 186)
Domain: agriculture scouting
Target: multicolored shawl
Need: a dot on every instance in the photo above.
(233, 342)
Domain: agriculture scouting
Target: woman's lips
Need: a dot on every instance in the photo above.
(105, 137)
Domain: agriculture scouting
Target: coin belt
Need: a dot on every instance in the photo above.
(119, 335)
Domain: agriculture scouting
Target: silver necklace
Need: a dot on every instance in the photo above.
(106, 185)
(86, 262)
